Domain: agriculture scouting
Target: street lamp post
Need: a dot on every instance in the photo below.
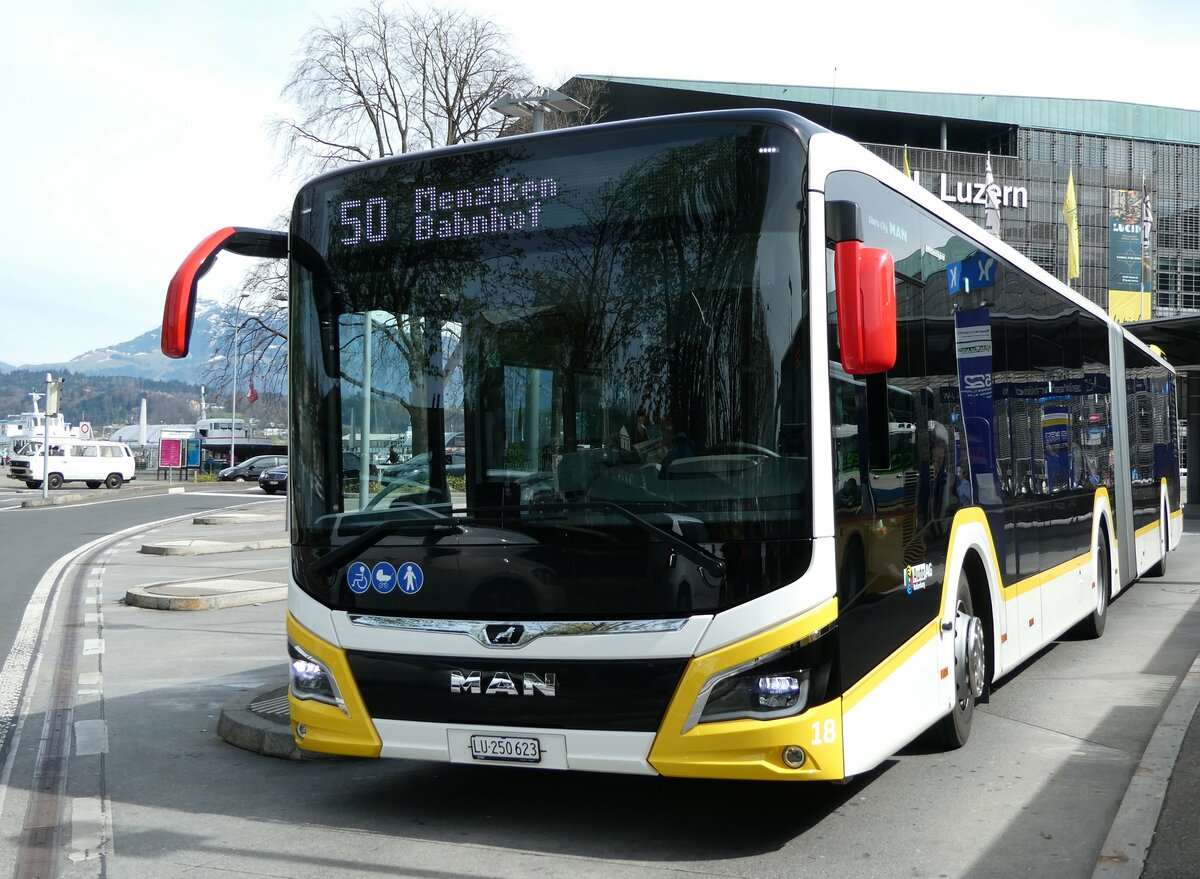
(536, 105)
(233, 400)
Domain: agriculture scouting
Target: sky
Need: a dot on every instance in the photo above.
(133, 129)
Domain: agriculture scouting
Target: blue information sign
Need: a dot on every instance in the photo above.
(411, 578)
(358, 578)
(383, 577)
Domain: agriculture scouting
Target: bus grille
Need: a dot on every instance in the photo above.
(588, 694)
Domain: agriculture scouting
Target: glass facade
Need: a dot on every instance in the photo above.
(1168, 172)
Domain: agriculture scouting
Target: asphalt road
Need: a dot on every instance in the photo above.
(1033, 793)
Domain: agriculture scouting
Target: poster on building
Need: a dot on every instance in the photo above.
(1128, 294)
(170, 452)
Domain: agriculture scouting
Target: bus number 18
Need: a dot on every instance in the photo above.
(824, 733)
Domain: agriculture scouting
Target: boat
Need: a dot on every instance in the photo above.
(16, 430)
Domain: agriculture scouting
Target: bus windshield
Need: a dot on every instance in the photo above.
(558, 376)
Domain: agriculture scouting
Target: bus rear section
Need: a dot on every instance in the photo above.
(707, 473)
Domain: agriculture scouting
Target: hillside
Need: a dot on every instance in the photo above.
(109, 401)
(106, 385)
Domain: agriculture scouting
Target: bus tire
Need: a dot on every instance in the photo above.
(1093, 625)
(94, 483)
(953, 730)
(54, 481)
(1160, 569)
(113, 480)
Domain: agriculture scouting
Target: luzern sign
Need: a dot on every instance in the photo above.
(970, 192)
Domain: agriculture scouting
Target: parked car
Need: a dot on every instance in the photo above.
(351, 464)
(251, 468)
(417, 468)
(274, 480)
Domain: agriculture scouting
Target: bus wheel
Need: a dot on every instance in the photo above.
(113, 481)
(1093, 626)
(1160, 569)
(93, 483)
(54, 481)
(970, 670)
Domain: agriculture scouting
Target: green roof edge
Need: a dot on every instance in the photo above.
(1077, 115)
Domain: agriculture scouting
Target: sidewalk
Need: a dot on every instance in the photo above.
(1155, 834)
(256, 720)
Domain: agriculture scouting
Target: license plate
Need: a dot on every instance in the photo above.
(507, 748)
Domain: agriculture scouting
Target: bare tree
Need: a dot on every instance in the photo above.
(376, 82)
(380, 82)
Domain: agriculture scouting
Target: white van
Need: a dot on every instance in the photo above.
(95, 462)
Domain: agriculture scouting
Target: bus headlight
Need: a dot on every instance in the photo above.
(782, 683)
(757, 694)
(311, 679)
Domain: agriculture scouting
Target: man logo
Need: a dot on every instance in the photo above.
(505, 635)
(502, 683)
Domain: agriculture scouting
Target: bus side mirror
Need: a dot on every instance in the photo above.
(180, 308)
(866, 307)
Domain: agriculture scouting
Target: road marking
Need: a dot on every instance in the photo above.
(93, 646)
(91, 737)
(91, 829)
(18, 683)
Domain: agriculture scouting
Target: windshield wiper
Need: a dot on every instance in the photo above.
(453, 524)
(693, 552)
(370, 537)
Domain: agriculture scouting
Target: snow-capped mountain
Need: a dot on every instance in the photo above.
(141, 356)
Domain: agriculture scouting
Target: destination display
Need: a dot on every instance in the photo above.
(503, 195)
(501, 205)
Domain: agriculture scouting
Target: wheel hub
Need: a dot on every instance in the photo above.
(968, 651)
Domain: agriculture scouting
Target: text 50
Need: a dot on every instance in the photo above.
(363, 220)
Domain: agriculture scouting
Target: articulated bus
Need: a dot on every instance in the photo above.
(770, 461)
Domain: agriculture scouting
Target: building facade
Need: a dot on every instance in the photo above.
(1129, 163)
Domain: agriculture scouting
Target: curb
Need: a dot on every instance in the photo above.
(211, 547)
(238, 519)
(59, 500)
(1123, 855)
(75, 497)
(253, 722)
(215, 594)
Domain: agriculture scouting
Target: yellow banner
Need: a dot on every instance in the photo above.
(1127, 305)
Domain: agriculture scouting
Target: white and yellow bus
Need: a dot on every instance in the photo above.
(772, 460)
